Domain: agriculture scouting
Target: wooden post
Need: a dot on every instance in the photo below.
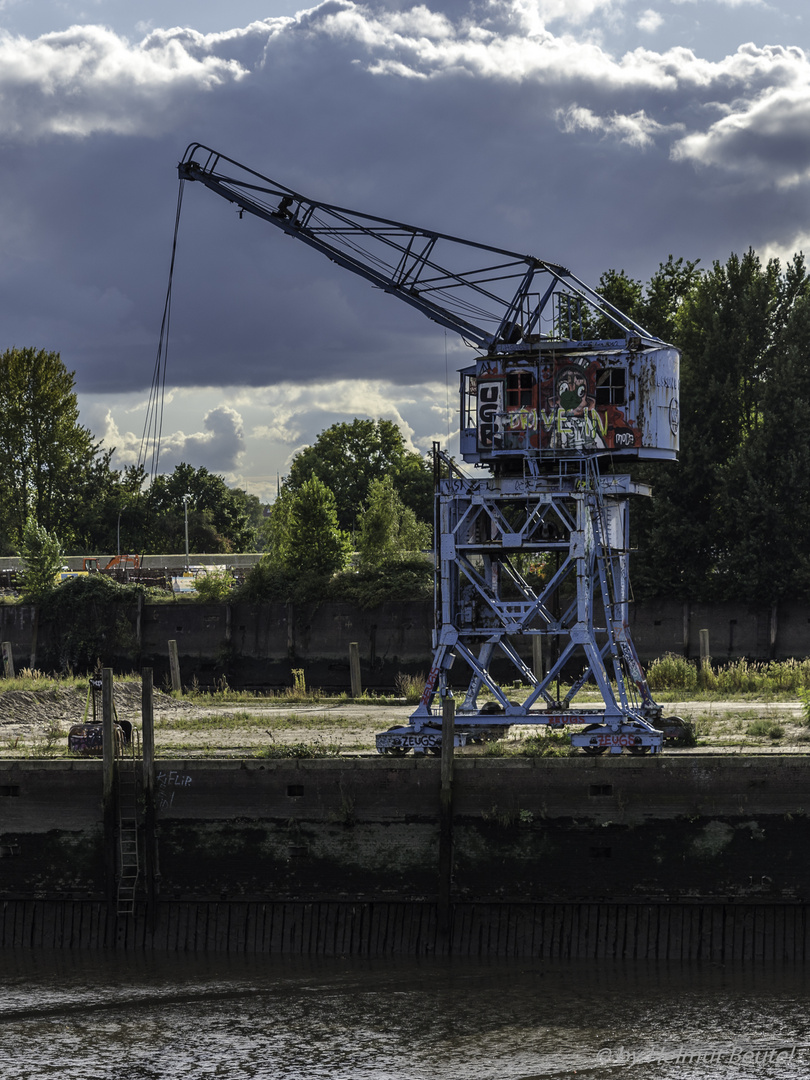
(32, 663)
(151, 864)
(774, 627)
(174, 666)
(8, 660)
(537, 656)
(108, 783)
(354, 668)
(139, 625)
(446, 813)
(705, 655)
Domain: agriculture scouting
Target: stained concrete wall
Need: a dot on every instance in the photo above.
(563, 830)
(261, 644)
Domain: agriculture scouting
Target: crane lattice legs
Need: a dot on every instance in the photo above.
(535, 556)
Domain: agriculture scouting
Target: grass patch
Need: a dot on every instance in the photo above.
(410, 687)
(766, 729)
(299, 750)
(741, 678)
(245, 720)
(550, 744)
(28, 679)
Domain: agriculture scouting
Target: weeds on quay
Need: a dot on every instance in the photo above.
(741, 678)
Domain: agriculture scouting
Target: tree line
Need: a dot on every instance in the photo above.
(730, 520)
(57, 475)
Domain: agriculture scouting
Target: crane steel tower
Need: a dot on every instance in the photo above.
(532, 550)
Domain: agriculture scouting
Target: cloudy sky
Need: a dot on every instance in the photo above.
(594, 133)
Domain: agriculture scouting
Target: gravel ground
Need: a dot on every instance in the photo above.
(36, 723)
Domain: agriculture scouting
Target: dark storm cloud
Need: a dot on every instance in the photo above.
(487, 125)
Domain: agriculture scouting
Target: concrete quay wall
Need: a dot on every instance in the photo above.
(533, 830)
(666, 858)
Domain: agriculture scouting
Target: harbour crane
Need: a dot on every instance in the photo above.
(532, 550)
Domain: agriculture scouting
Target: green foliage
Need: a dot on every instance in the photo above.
(214, 586)
(267, 580)
(388, 529)
(41, 555)
(299, 750)
(411, 687)
(220, 519)
(347, 457)
(46, 456)
(89, 622)
(766, 729)
(552, 744)
(730, 520)
(402, 579)
(623, 293)
(672, 672)
(742, 677)
(306, 538)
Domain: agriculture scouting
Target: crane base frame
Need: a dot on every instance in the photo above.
(575, 524)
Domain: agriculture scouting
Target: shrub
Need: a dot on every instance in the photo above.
(401, 579)
(672, 672)
(41, 556)
(411, 687)
(214, 586)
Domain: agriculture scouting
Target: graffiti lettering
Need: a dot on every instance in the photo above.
(614, 739)
(559, 420)
(489, 408)
(166, 781)
(427, 693)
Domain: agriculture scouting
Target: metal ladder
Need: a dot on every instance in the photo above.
(127, 760)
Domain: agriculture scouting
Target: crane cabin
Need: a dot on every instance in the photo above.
(607, 398)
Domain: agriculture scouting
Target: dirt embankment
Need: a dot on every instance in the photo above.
(35, 711)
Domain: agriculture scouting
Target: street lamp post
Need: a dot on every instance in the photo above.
(186, 498)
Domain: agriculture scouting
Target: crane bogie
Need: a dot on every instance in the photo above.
(563, 381)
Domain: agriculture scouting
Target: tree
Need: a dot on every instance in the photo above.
(41, 555)
(623, 293)
(348, 457)
(767, 485)
(45, 453)
(664, 296)
(308, 541)
(388, 529)
(218, 516)
(732, 329)
(109, 509)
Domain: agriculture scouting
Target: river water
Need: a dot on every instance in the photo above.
(98, 1016)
